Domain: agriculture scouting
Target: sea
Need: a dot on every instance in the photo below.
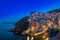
(5, 35)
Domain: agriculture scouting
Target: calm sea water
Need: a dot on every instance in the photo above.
(5, 35)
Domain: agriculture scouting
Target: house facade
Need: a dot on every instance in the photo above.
(40, 21)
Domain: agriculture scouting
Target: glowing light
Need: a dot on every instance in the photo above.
(43, 26)
(47, 39)
(28, 38)
(43, 36)
(49, 24)
(33, 27)
(32, 38)
(59, 21)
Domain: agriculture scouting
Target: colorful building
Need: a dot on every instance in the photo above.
(40, 21)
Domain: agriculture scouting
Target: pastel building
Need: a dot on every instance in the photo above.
(38, 20)
(41, 22)
(59, 19)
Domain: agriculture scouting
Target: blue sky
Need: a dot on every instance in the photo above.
(13, 10)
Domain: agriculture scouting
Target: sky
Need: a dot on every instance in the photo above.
(14, 10)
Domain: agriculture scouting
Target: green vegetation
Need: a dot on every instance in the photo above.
(23, 24)
(56, 10)
(58, 29)
(53, 32)
(39, 37)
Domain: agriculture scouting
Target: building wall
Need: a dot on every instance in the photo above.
(59, 19)
(43, 19)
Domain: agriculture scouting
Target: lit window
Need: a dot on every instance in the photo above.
(43, 26)
(49, 24)
(59, 21)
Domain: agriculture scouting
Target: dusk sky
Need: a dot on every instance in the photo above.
(14, 10)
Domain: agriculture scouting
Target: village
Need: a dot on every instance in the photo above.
(40, 23)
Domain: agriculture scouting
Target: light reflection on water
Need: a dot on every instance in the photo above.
(5, 35)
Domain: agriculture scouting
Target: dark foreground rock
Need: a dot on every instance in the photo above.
(21, 25)
(57, 37)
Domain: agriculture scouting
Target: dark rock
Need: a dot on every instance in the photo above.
(21, 25)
